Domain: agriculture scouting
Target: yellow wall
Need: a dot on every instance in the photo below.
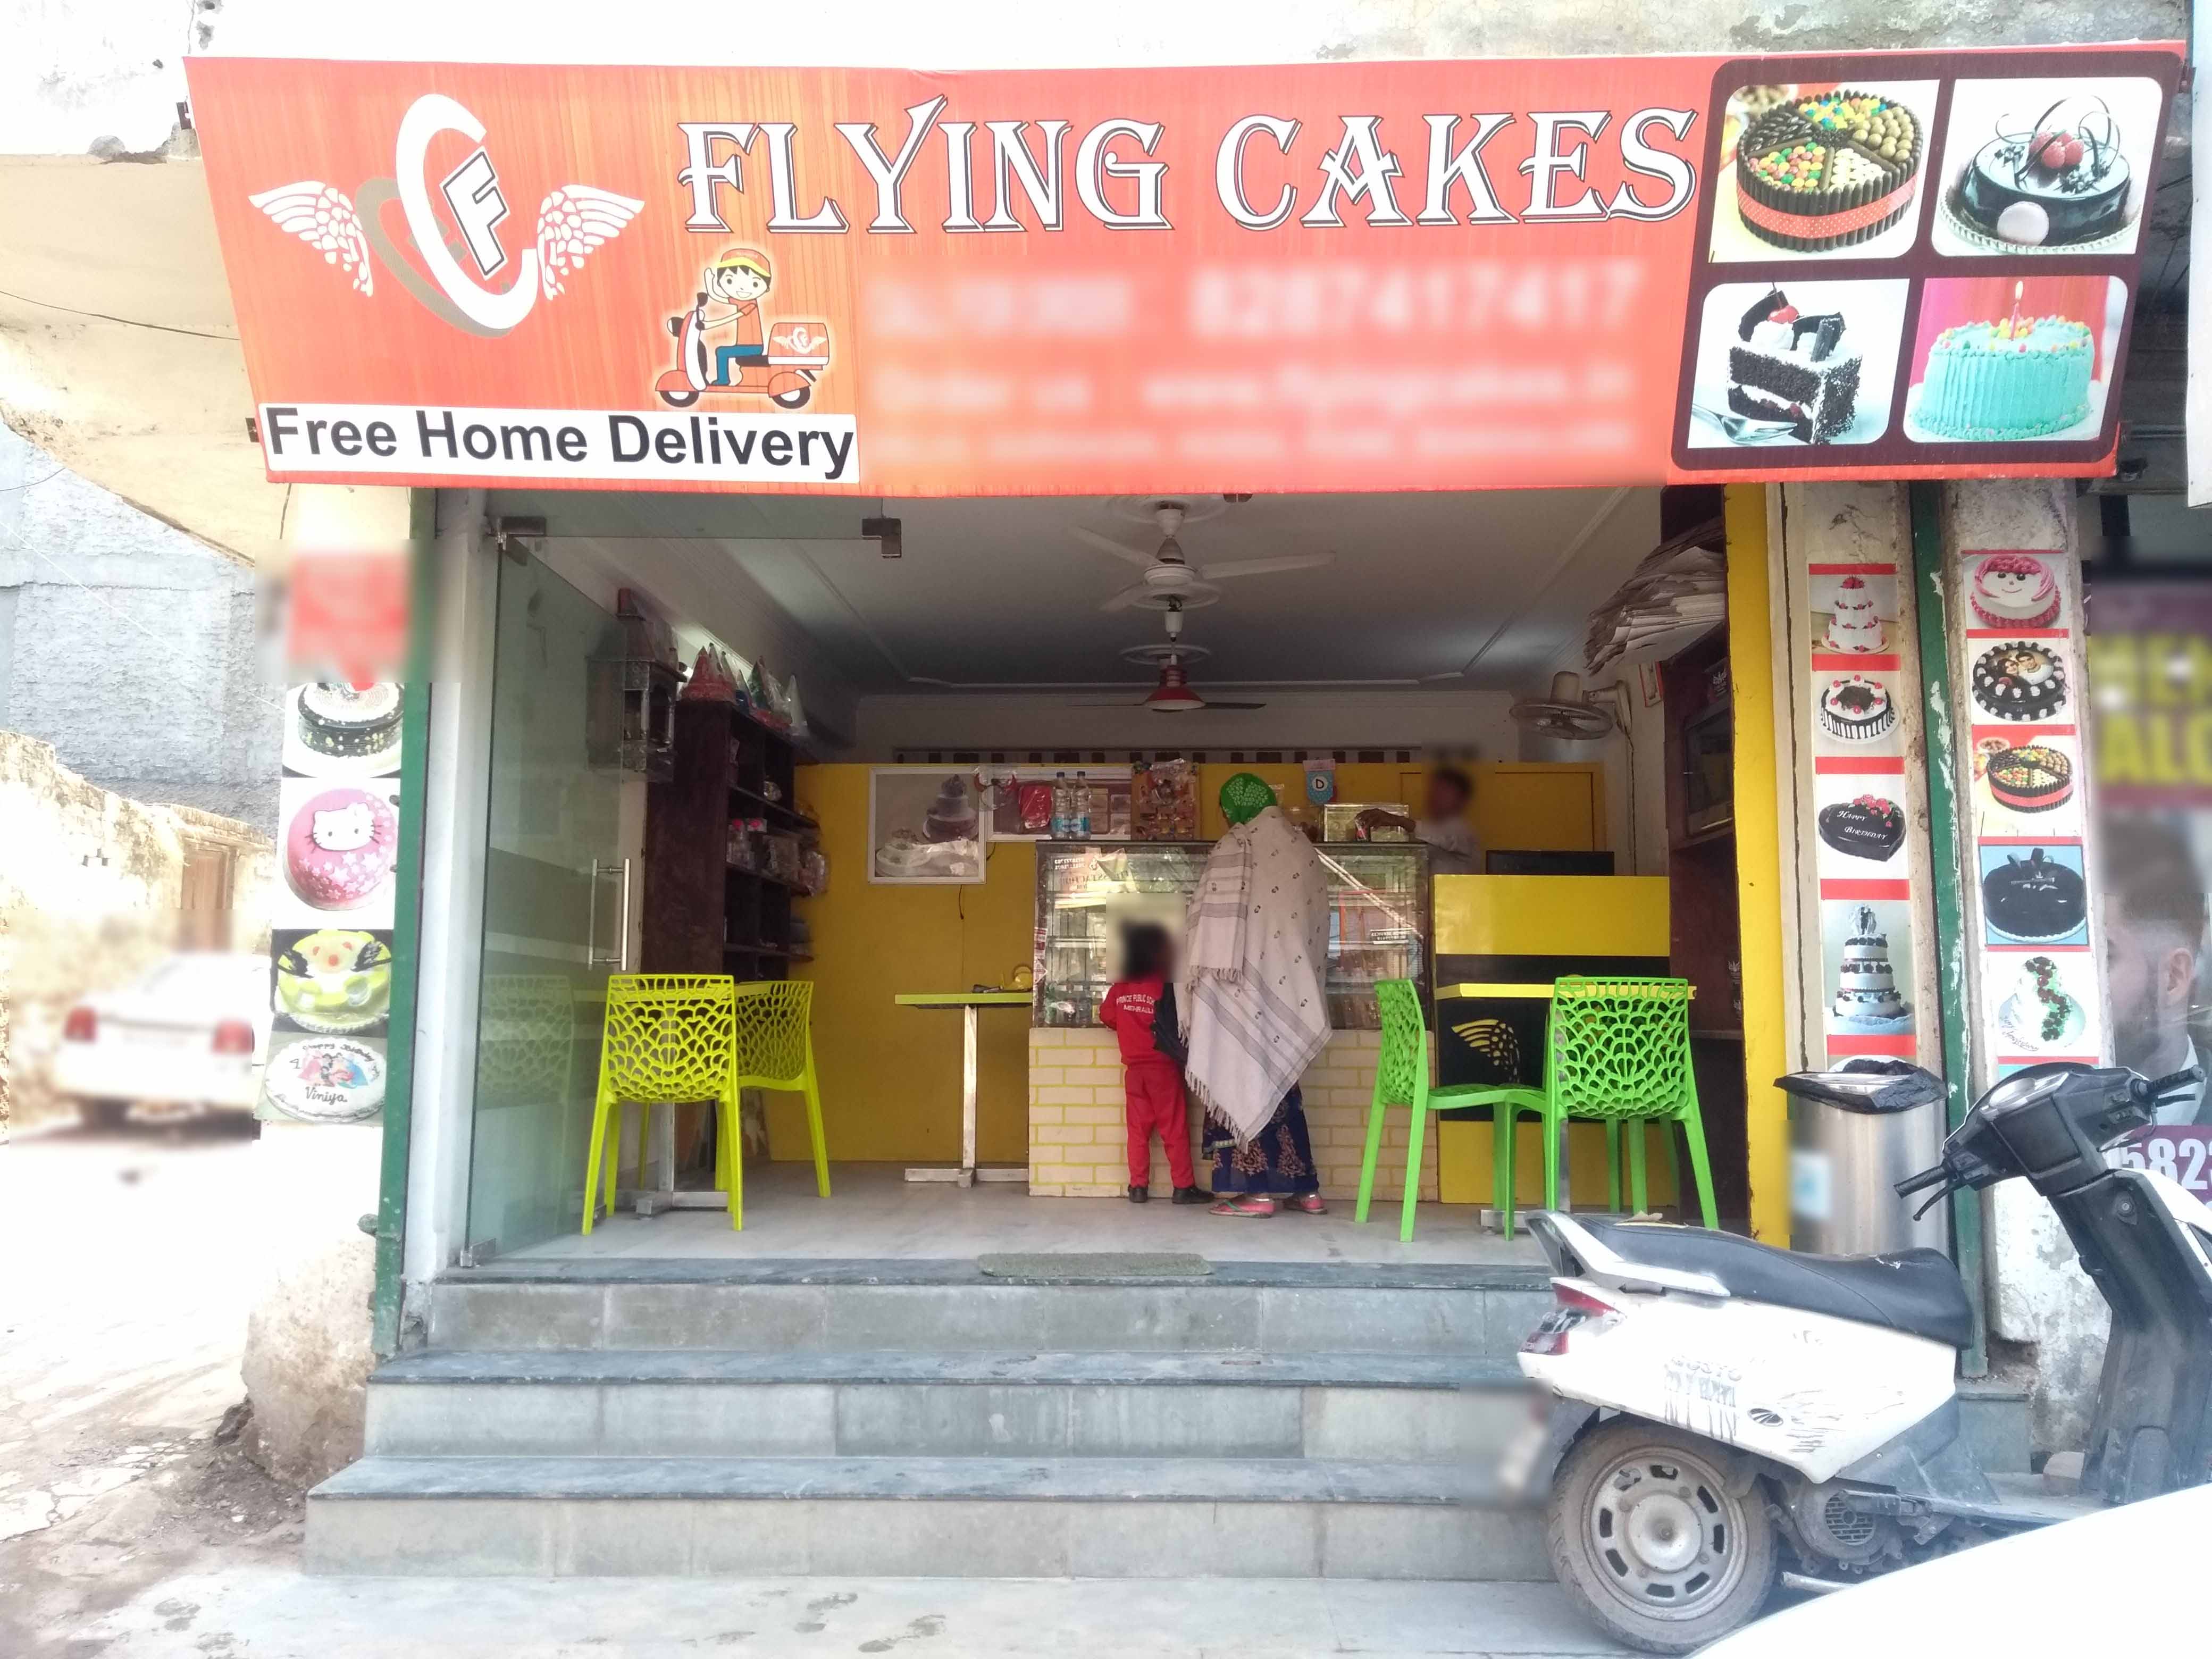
(1758, 862)
(891, 1076)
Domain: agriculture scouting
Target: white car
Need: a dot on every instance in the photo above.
(189, 1034)
(2084, 1587)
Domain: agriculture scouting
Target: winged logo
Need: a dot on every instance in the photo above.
(323, 217)
(572, 222)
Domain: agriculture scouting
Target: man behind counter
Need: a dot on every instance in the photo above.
(1443, 823)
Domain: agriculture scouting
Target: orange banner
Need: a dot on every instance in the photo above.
(1369, 276)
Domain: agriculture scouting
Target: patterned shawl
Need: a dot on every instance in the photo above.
(1250, 994)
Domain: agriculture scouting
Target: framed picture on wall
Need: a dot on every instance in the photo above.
(927, 825)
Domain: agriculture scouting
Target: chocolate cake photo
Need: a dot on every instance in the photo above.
(1789, 363)
(1824, 170)
(2039, 898)
(2046, 166)
(1869, 827)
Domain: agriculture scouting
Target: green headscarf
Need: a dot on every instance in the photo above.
(1244, 797)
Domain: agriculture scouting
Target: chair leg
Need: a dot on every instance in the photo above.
(1637, 1196)
(1375, 1111)
(1693, 1131)
(1413, 1172)
(1502, 1127)
(734, 1172)
(1612, 1164)
(613, 1170)
(644, 1140)
(814, 1133)
(591, 1161)
(1553, 1123)
(1675, 1167)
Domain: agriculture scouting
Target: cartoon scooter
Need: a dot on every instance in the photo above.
(796, 354)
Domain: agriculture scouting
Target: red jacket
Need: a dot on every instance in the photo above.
(1127, 1013)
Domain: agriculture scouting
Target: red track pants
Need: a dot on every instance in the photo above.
(1154, 1102)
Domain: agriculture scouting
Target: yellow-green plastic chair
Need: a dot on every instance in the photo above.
(1616, 1050)
(1401, 1078)
(669, 1037)
(775, 1050)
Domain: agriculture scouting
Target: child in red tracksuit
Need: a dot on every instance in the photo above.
(1151, 1082)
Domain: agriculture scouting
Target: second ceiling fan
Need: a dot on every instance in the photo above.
(1170, 578)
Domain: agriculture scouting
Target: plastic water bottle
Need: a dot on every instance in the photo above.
(1082, 814)
(1061, 815)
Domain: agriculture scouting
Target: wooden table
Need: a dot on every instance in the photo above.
(965, 1173)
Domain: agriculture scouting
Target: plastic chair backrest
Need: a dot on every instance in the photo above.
(1619, 1047)
(670, 1036)
(1401, 1060)
(525, 1039)
(773, 1018)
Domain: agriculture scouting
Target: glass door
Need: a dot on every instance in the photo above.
(558, 896)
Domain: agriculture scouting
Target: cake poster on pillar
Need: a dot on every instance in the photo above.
(1855, 628)
(2022, 686)
(330, 940)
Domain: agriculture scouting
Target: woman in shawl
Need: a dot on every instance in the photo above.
(1250, 1011)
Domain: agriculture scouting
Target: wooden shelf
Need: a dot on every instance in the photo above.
(773, 881)
(791, 817)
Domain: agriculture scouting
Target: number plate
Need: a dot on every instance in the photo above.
(2183, 1154)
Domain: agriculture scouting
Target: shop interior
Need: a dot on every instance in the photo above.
(931, 757)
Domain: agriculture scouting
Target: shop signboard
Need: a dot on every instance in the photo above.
(1320, 277)
(2150, 678)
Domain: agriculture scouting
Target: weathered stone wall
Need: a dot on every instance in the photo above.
(130, 646)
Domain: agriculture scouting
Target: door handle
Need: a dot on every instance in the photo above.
(622, 939)
(617, 956)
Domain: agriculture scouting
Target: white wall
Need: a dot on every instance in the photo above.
(1638, 757)
(1456, 720)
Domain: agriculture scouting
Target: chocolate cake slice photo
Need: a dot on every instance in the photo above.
(1790, 367)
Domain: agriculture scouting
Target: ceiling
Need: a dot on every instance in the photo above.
(1477, 591)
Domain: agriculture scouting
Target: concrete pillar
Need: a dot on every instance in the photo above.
(2038, 1296)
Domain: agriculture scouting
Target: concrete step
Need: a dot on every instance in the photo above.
(646, 1403)
(1090, 1517)
(845, 1306)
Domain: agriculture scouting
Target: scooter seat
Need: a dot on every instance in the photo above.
(1916, 1292)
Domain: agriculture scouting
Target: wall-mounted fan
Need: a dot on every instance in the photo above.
(1171, 579)
(1570, 715)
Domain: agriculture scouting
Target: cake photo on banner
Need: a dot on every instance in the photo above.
(2006, 359)
(1781, 364)
(2008, 590)
(1821, 170)
(1869, 984)
(2034, 895)
(2026, 784)
(337, 847)
(336, 729)
(2043, 1002)
(1859, 822)
(2054, 164)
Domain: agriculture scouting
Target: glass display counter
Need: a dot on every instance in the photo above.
(1378, 925)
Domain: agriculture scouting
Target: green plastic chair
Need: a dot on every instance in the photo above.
(1401, 1078)
(668, 1037)
(1615, 1050)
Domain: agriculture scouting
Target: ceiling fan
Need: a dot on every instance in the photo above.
(1169, 579)
(1173, 694)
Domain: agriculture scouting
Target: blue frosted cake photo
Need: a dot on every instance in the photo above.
(2015, 378)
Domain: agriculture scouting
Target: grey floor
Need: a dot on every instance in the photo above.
(873, 1213)
(271, 1615)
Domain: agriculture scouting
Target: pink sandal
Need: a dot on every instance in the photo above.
(1306, 1204)
(1244, 1206)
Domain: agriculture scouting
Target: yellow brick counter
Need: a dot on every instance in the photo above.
(1078, 1143)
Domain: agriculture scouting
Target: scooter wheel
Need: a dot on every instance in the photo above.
(679, 399)
(795, 399)
(1646, 1532)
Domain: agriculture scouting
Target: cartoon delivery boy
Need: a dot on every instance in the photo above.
(740, 278)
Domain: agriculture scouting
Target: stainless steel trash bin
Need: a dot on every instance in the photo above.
(1854, 1133)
